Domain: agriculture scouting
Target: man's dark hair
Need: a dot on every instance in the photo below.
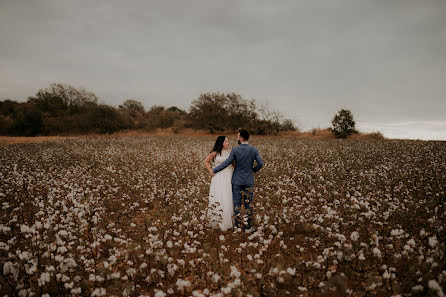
(244, 134)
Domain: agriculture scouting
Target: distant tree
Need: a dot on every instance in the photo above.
(27, 120)
(271, 120)
(176, 109)
(159, 117)
(209, 111)
(241, 113)
(104, 119)
(132, 105)
(288, 125)
(8, 106)
(343, 124)
(62, 97)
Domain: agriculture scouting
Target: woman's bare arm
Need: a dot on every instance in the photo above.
(207, 162)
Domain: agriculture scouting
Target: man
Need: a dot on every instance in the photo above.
(243, 175)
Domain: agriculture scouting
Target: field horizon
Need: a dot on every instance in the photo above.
(188, 132)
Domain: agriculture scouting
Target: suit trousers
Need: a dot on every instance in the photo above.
(245, 193)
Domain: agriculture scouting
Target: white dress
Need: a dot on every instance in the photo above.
(221, 207)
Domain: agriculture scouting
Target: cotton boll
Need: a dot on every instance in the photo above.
(377, 253)
(434, 286)
(354, 236)
(433, 241)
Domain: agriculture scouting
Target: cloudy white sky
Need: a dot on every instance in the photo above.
(383, 60)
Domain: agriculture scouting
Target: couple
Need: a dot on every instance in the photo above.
(231, 184)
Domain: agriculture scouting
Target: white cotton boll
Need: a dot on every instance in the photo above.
(226, 290)
(215, 278)
(222, 237)
(354, 236)
(291, 271)
(99, 292)
(30, 269)
(411, 243)
(143, 265)
(302, 289)
(433, 241)
(62, 250)
(76, 291)
(234, 272)
(181, 284)
(171, 268)
(395, 232)
(434, 286)
(377, 252)
(63, 233)
(7, 268)
(24, 229)
(69, 285)
(386, 275)
(197, 294)
(45, 278)
(169, 244)
(418, 288)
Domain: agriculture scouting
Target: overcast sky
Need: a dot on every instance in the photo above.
(385, 60)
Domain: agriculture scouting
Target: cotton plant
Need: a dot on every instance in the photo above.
(127, 216)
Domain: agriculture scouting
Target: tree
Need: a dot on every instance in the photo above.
(288, 125)
(240, 112)
(27, 120)
(271, 120)
(62, 97)
(132, 105)
(209, 112)
(343, 124)
(176, 109)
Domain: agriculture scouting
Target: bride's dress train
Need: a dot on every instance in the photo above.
(221, 206)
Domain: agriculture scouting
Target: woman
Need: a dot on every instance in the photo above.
(220, 206)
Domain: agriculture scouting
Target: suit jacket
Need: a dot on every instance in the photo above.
(244, 156)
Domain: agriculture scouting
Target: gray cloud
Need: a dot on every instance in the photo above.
(384, 60)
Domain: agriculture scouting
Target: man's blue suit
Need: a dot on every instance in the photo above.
(242, 177)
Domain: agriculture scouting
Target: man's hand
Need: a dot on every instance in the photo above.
(212, 174)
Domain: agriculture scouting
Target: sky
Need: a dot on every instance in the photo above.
(383, 60)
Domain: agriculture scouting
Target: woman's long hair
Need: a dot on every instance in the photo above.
(218, 146)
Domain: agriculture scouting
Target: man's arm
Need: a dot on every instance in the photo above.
(225, 163)
(259, 162)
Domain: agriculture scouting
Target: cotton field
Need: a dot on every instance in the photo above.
(127, 217)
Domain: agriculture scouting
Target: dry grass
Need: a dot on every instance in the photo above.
(188, 132)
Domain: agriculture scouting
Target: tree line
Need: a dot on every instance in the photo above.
(62, 109)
